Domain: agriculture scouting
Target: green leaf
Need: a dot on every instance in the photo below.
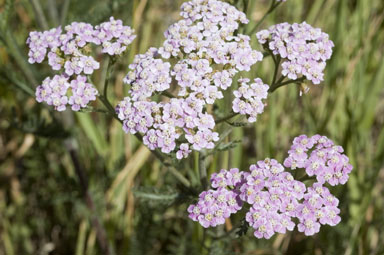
(93, 133)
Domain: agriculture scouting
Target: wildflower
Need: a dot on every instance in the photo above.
(320, 158)
(248, 98)
(304, 49)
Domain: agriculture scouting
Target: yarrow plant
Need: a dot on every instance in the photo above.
(207, 55)
(172, 106)
(276, 201)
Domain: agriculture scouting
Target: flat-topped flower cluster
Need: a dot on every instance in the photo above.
(248, 98)
(199, 58)
(274, 196)
(207, 55)
(69, 51)
(303, 48)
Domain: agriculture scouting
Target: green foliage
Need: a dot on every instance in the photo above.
(43, 209)
(155, 198)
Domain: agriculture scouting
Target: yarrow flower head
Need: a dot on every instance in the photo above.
(206, 56)
(69, 50)
(321, 158)
(248, 98)
(303, 48)
(277, 201)
(59, 92)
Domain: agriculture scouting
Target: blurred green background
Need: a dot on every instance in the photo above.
(126, 201)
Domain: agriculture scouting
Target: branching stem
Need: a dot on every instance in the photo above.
(157, 153)
(230, 116)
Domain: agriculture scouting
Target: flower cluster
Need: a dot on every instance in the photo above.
(71, 52)
(319, 207)
(274, 196)
(59, 92)
(162, 123)
(71, 49)
(214, 206)
(320, 157)
(277, 201)
(206, 56)
(248, 98)
(303, 48)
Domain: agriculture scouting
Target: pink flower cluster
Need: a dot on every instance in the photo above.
(71, 53)
(277, 201)
(303, 48)
(206, 56)
(248, 98)
(59, 92)
(163, 123)
(321, 158)
(71, 49)
(214, 206)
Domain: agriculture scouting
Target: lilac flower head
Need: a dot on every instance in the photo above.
(320, 158)
(205, 56)
(274, 196)
(82, 93)
(318, 208)
(69, 51)
(54, 92)
(57, 91)
(213, 207)
(248, 98)
(303, 48)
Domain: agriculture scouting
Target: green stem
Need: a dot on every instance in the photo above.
(271, 8)
(230, 116)
(227, 234)
(203, 170)
(280, 84)
(167, 94)
(104, 97)
(277, 64)
(157, 153)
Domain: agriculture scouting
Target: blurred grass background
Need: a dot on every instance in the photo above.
(46, 209)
